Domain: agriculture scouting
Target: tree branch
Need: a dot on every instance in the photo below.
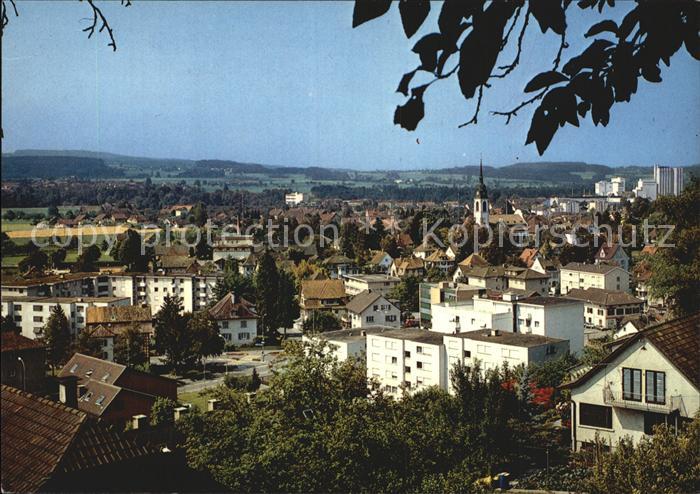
(474, 119)
(509, 68)
(514, 112)
(99, 18)
(5, 17)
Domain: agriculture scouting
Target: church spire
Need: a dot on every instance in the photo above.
(481, 170)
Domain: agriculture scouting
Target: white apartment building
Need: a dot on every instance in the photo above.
(605, 276)
(195, 291)
(552, 317)
(31, 314)
(669, 180)
(491, 348)
(613, 187)
(406, 359)
(651, 378)
(380, 283)
(294, 198)
(234, 246)
(605, 308)
(646, 189)
(60, 285)
(345, 343)
(369, 309)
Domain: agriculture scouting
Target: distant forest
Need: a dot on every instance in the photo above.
(18, 167)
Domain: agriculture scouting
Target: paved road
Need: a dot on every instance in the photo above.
(237, 363)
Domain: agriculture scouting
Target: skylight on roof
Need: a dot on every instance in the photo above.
(100, 399)
(74, 368)
(88, 373)
(87, 396)
(105, 377)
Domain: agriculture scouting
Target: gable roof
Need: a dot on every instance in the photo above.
(528, 255)
(41, 438)
(600, 296)
(12, 342)
(607, 251)
(379, 257)
(232, 307)
(474, 260)
(323, 289)
(678, 340)
(362, 300)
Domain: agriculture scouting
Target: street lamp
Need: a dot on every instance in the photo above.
(24, 374)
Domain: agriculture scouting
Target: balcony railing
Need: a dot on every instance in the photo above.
(615, 399)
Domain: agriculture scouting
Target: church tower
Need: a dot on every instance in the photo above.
(481, 200)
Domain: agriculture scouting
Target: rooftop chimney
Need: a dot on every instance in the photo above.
(363, 333)
(495, 332)
(213, 404)
(139, 421)
(180, 412)
(68, 391)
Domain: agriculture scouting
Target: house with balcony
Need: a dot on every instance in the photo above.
(650, 378)
(606, 308)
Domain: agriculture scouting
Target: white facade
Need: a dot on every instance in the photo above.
(669, 180)
(600, 407)
(451, 317)
(239, 331)
(409, 359)
(553, 318)
(31, 314)
(646, 189)
(196, 292)
(613, 187)
(294, 199)
(491, 349)
(358, 283)
(345, 343)
(380, 313)
(582, 276)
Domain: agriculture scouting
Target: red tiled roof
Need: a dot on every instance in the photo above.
(232, 307)
(12, 341)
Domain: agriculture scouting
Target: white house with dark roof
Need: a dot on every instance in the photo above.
(606, 308)
(345, 343)
(652, 377)
(605, 276)
(613, 254)
(370, 308)
(237, 319)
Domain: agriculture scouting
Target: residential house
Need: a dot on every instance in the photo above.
(112, 392)
(613, 254)
(529, 280)
(23, 362)
(345, 343)
(441, 261)
(605, 276)
(30, 314)
(544, 266)
(323, 295)
(424, 250)
(491, 277)
(50, 447)
(491, 348)
(370, 308)
(652, 377)
(380, 283)
(233, 246)
(381, 261)
(606, 308)
(407, 266)
(237, 319)
(406, 359)
(109, 323)
(340, 265)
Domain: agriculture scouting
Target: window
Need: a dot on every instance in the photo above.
(227, 336)
(407, 354)
(652, 419)
(407, 369)
(467, 354)
(224, 324)
(537, 324)
(595, 416)
(655, 387)
(38, 319)
(394, 360)
(631, 384)
(375, 308)
(369, 318)
(551, 350)
(80, 308)
(155, 288)
(17, 308)
(419, 365)
(419, 349)
(390, 318)
(244, 324)
(243, 336)
(37, 308)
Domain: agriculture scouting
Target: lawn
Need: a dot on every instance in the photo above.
(197, 398)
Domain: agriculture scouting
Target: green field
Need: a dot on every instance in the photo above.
(197, 398)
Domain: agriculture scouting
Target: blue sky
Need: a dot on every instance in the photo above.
(292, 83)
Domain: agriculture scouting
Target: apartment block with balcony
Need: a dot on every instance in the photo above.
(652, 377)
(605, 276)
